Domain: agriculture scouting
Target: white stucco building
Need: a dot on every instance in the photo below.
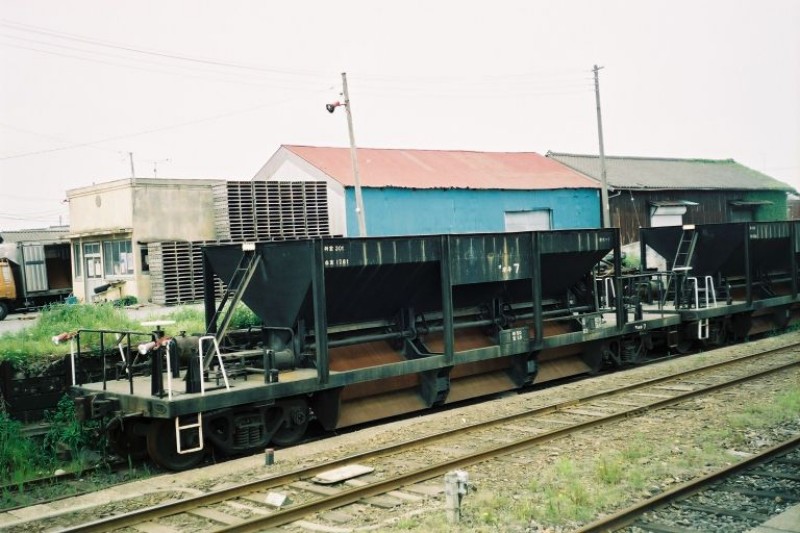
(111, 223)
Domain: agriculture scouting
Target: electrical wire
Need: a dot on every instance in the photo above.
(170, 71)
(553, 79)
(562, 82)
(148, 131)
(156, 53)
(52, 137)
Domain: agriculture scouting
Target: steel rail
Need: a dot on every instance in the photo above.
(358, 493)
(181, 506)
(627, 516)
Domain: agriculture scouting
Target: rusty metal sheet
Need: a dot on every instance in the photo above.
(362, 410)
(444, 169)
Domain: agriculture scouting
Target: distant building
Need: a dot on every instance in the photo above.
(112, 222)
(442, 191)
(35, 267)
(648, 192)
(793, 202)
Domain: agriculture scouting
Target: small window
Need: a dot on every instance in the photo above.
(533, 220)
(668, 212)
(117, 258)
(76, 260)
(145, 258)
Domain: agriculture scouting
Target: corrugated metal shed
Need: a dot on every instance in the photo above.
(44, 235)
(444, 169)
(660, 173)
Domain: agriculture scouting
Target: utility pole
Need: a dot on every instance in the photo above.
(133, 174)
(362, 225)
(603, 183)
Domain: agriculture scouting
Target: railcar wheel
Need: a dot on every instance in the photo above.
(126, 443)
(3, 310)
(684, 346)
(162, 447)
(293, 427)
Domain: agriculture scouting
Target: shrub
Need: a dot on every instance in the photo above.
(65, 432)
(126, 301)
(18, 455)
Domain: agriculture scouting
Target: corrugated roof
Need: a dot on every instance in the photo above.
(52, 234)
(443, 169)
(661, 173)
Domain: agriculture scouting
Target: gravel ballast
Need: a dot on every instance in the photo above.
(552, 488)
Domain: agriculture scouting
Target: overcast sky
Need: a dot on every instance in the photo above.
(201, 89)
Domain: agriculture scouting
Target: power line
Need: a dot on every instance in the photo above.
(145, 132)
(559, 77)
(239, 81)
(156, 53)
(52, 137)
(442, 87)
(37, 198)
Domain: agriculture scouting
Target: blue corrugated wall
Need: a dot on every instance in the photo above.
(393, 211)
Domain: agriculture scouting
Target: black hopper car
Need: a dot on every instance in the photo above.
(358, 329)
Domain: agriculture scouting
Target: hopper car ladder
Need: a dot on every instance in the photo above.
(709, 299)
(234, 291)
(683, 258)
(248, 264)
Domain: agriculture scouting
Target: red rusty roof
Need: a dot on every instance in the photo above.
(444, 169)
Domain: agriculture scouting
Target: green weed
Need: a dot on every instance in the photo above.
(19, 457)
(565, 467)
(35, 342)
(609, 470)
(192, 319)
(23, 458)
(637, 448)
(66, 433)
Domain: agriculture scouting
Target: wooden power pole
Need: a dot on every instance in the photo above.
(603, 182)
(362, 224)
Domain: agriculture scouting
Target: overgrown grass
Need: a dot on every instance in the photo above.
(20, 458)
(35, 342)
(66, 434)
(567, 492)
(188, 319)
(786, 407)
(67, 445)
(192, 319)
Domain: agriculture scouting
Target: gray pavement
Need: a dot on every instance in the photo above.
(17, 321)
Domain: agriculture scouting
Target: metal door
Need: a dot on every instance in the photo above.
(35, 269)
(92, 268)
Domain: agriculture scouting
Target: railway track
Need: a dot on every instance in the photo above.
(396, 474)
(114, 469)
(736, 498)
